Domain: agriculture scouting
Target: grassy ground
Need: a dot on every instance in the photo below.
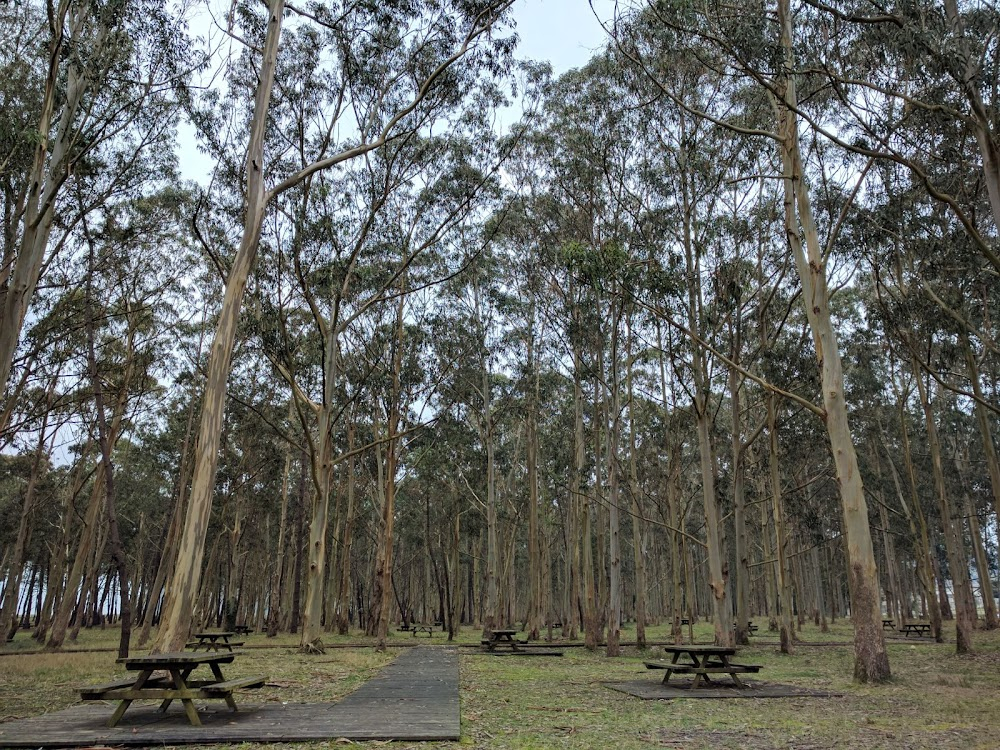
(935, 700)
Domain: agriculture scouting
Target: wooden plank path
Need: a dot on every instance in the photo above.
(414, 698)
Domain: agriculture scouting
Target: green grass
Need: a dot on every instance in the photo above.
(935, 699)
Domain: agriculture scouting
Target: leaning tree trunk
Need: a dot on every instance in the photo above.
(18, 558)
(871, 662)
(183, 592)
(51, 167)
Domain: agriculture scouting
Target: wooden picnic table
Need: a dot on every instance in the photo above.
(888, 624)
(918, 629)
(422, 629)
(701, 661)
(174, 686)
(502, 637)
(214, 641)
(242, 629)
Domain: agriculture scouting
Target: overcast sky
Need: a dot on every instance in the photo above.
(564, 32)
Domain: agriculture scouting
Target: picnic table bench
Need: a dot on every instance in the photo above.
(919, 629)
(423, 629)
(242, 629)
(888, 624)
(702, 661)
(404, 628)
(175, 685)
(214, 641)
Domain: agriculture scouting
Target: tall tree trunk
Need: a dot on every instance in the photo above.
(275, 599)
(978, 549)
(871, 661)
(983, 421)
(58, 570)
(784, 602)
(614, 523)
(183, 592)
(722, 615)
(344, 568)
(638, 532)
(391, 457)
(531, 441)
(951, 523)
(741, 634)
(104, 441)
(14, 571)
(918, 524)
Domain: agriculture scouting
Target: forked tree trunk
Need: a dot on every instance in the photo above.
(871, 662)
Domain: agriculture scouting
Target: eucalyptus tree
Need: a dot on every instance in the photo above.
(914, 84)
(107, 74)
(760, 49)
(388, 67)
(127, 314)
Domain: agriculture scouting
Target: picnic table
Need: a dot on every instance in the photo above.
(214, 641)
(242, 629)
(702, 661)
(918, 629)
(422, 629)
(888, 624)
(175, 685)
(502, 637)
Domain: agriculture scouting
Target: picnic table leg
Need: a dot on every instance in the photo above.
(126, 702)
(167, 701)
(701, 677)
(673, 660)
(181, 684)
(217, 672)
(736, 678)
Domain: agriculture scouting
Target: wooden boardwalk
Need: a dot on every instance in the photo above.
(414, 698)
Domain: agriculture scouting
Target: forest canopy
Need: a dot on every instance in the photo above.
(706, 332)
